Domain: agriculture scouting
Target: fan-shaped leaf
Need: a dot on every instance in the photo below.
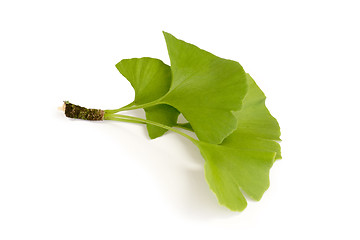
(229, 170)
(151, 79)
(257, 128)
(206, 89)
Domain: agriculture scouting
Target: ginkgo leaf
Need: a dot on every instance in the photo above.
(229, 171)
(257, 128)
(163, 114)
(206, 89)
(151, 79)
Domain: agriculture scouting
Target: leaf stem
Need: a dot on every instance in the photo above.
(133, 106)
(126, 118)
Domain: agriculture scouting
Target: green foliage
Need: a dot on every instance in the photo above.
(163, 114)
(151, 79)
(242, 162)
(206, 89)
(229, 170)
(257, 129)
(237, 135)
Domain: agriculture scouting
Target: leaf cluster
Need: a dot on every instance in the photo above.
(237, 135)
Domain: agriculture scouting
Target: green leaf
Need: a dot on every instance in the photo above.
(206, 89)
(257, 128)
(229, 171)
(163, 114)
(243, 161)
(151, 79)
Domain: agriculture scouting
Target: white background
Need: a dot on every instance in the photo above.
(69, 179)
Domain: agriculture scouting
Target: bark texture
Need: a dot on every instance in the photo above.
(75, 111)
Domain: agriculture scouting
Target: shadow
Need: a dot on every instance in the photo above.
(198, 200)
(177, 166)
